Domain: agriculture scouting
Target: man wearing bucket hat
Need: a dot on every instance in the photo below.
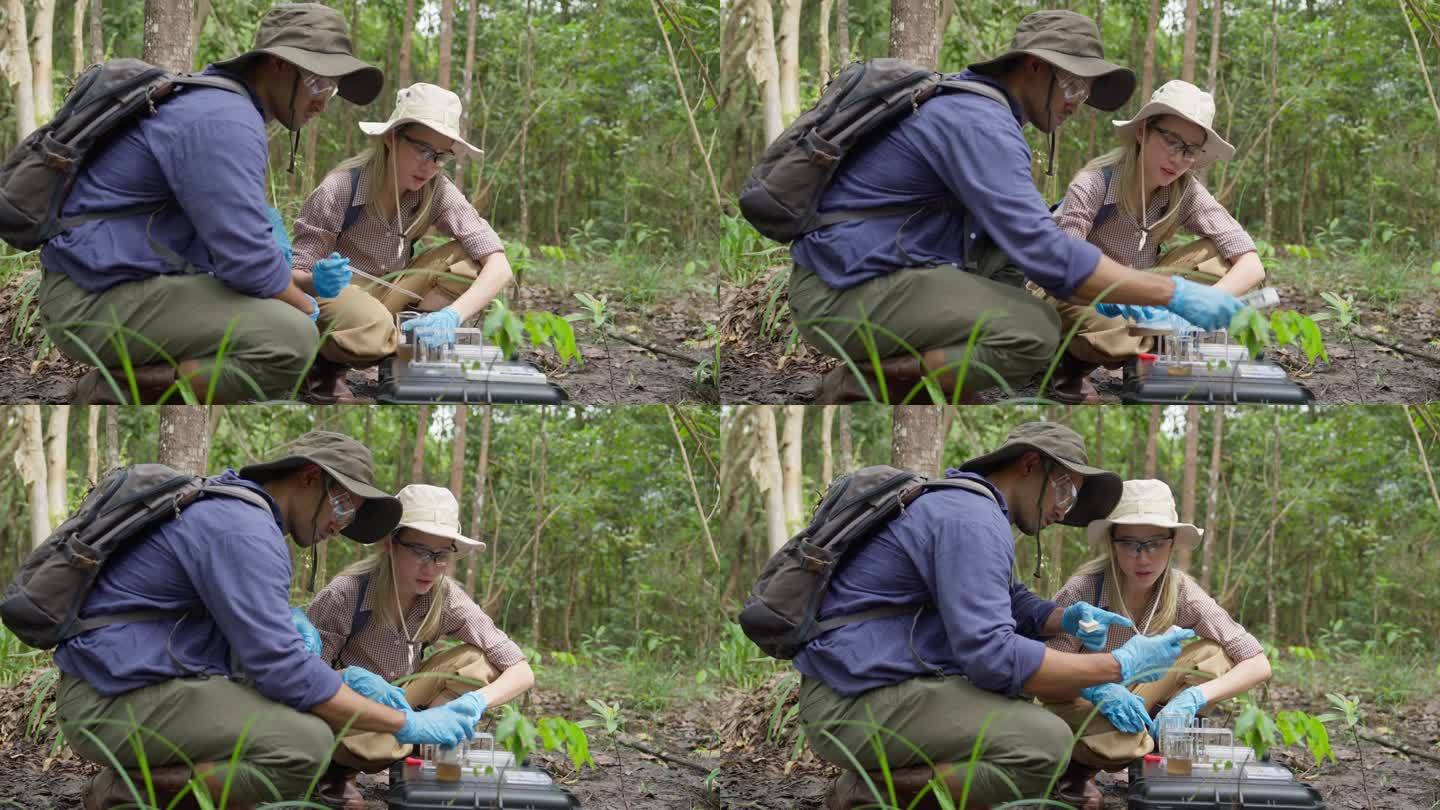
(235, 666)
(208, 265)
(926, 278)
(378, 615)
(1135, 578)
(934, 683)
(1127, 203)
(366, 216)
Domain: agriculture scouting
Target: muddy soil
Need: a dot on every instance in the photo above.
(1358, 371)
(614, 370)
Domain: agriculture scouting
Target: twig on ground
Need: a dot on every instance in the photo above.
(650, 347)
(1398, 746)
(658, 754)
(1427, 356)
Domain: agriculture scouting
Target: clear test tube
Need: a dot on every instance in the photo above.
(1263, 298)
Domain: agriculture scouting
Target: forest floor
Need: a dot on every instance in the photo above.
(645, 354)
(767, 371)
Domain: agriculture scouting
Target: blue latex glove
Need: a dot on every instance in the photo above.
(1204, 306)
(1123, 708)
(374, 687)
(314, 313)
(331, 275)
(1084, 611)
(1133, 312)
(438, 726)
(277, 228)
(470, 704)
(1165, 319)
(307, 630)
(1145, 658)
(1184, 706)
(440, 326)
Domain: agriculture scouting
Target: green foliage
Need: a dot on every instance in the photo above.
(1256, 331)
(744, 253)
(538, 329)
(518, 735)
(737, 662)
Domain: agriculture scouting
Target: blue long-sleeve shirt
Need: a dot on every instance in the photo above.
(953, 549)
(224, 555)
(958, 146)
(205, 152)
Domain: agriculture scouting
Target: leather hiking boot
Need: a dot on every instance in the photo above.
(338, 790)
(1077, 788)
(151, 381)
(1071, 383)
(849, 792)
(902, 375)
(107, 790)
(326, 384)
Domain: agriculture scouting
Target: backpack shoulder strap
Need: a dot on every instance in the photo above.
(1099, 588)
(219, 82)
(960, 483)
(358, 620)
(978, 88)
(1107, 210)
(352, 211)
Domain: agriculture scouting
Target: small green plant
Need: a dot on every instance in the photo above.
(516, 734)
(598, 308)
(537, 329)
(1350, 715)
(1256, 331)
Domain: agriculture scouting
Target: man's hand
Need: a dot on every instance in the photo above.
(307, 631)
(438, 726)
(330, 275)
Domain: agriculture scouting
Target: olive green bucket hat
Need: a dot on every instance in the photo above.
(1097, 496)
(350, 464)
(1071, 42)
(314, 38)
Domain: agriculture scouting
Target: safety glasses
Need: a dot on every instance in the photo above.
(1074, 88)
(319, 86)
(425, 554)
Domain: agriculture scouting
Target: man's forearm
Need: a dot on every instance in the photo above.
(1062, 675)
(361, 713)
(1119, 284)
(296, 297)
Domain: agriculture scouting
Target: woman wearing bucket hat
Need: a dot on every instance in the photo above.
(1136, 579)
(1131, 200)
(376, 618)
(367, 215)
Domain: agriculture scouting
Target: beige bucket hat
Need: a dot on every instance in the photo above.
(428, 105)
(1071, 42)
(1145, 502)
(434, 510)
(1183, 99)
(314, 38)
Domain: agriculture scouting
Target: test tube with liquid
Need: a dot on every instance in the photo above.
(448, 762)
(1263, 298)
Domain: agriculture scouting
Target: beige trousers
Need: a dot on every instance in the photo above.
(442, 678)
(1101, 746)
(1106, 341)
(359, 324)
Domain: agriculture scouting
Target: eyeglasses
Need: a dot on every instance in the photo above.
(1140, 545)
(343, 506)
(1065, 491)
(426, 152)
(1073, 87)
(425, 554)
(1176, 145)
(320, 86)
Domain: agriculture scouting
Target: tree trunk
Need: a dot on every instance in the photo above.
(92, 445)
(77, 40)
(1187, 62)
(1215, 15)
(457, 453)
(1152, 440)
(1151, 25)
(1300, 205)
(30, 459)
(1212, 499)
(764, 67)
(842, 32)
(1274, 103)
(42, 50)
(467, 81)
(529, 96)
(202, 15)
(447, 41)
(184, 438)
(1270, 612)
(543, 465)
(788, 41)
(17, 69)
(407, 34)
(1187, 478)
(790, 466)
(97, 31)
(312, 138)
(827, 461)
(768, 476)
(56, 458)
(847, 444)
(112, 437)
(915, 438)
(167, 33)
(912, 30)
(478, 515)
(417, 460)
(825, 72)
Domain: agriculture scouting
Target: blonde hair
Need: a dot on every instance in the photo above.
(1129, 178)
(376, 164)
(1167, 608)
(386, 600)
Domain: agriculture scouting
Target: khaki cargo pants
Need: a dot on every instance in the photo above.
(1101, 746)
(359, 324)
(284, 750)
(941, 718)
(1103, 341)
(441, 678)
(937, 307)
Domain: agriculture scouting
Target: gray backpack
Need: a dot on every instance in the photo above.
(782, 196)
(781, 613)
(37, 176)
(42, 605)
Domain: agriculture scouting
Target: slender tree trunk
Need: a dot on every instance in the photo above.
(77, 40)
(457, 453)
(824, 22)
(1300, 205)
(1212, 499)
(764, 67)
(481, 470)
(790, 466)
(529, 95)
(912, 30)
(185, 438)
(56, 463)
(202, 15)
(167, 33)
(312, 138)
(1274, 104)
(1215, 15)
(541, 483)
(92, 445)
(788, 41)
(407, 35)
(112, 437)
(915, 438)
(447, 41)
(827, 465)
(1152, 440)
(1151, 26)
(768, 476)
(1187, 477)
(30, 459)
(417, 460)
(847, 444)
(467, 80)
(1187, 63)
(1270, 606)
(18, 72)
(97, 31)
(42, 50)
(842, 32)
